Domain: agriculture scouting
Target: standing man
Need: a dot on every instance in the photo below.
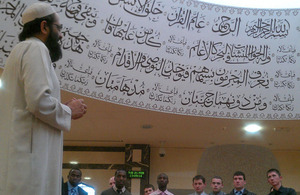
(119, 187)
(148, 189)
(199, 185)
(32, 118)
(239, 182)
(71, 186)
(162, 182)
(275, 178)
(216, 186)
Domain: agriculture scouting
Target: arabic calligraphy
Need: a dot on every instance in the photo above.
(186, 18)
(145, 8)
(184, 57)
(231, 53)
(268, 28)
(127, 31)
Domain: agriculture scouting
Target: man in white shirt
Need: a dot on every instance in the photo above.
(32, 118)
(162, 182)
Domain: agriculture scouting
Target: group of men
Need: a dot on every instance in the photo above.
(239, 181)
(118, 182)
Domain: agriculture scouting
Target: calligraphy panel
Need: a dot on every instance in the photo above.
(176, 56)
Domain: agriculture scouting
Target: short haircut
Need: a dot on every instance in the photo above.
(240, 173)
(197, 177)
(273, 170)
(163, 175)
(33, 27)
(149, 186)
(75, 169)
(217, 177)
(121, 170)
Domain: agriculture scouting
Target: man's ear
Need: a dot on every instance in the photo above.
(44, 27)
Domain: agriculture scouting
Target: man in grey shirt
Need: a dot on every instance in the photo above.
(216, 186)
(199, 185)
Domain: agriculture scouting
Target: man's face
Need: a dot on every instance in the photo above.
(120, 179)
(74, 177)
(216, 185)
(238, 182)
(53, 39)
(274, 179)
(148, 191)
(199, 185)
(162, 180)
(112, 181)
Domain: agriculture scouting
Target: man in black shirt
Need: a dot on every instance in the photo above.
(274, 178)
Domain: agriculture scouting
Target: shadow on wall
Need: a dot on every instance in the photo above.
(224, 160)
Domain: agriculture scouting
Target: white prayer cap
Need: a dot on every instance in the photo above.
(37, 10)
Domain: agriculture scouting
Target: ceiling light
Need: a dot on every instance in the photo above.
(87, 178)
(0, 83)
(73, 162)
(252, 128)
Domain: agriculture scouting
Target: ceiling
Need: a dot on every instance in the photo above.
(107, 124)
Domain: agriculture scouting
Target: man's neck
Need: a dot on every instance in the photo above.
(277, 187)
(163, 189)
(238, 189)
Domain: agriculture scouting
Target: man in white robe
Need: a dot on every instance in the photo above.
(32, 119)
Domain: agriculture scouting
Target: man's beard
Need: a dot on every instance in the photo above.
(53, 45)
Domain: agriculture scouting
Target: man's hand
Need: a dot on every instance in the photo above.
(78, 108)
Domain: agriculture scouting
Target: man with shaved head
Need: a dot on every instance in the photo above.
(162, 182)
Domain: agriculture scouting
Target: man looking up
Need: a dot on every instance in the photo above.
(216, 186)
(32, 118)
(239, 182)
(71, 186)
(162, 182)
(199, 185)
(275, 179)
(119, 187)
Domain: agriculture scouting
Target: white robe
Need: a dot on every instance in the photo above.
(31, 123)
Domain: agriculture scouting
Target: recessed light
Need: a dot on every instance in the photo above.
(253, 128)
(73, 162)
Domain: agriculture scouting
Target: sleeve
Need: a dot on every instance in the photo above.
(39, 85)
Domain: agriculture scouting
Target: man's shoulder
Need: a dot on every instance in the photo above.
(107, 191)
(290, 191)
(248, 192)
(127, 192)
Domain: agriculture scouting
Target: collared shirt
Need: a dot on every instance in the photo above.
(242, 191)
(220, 193)
(283, 191)
(196, 193)
(122, 190)
(70, 187)
(158, 192)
